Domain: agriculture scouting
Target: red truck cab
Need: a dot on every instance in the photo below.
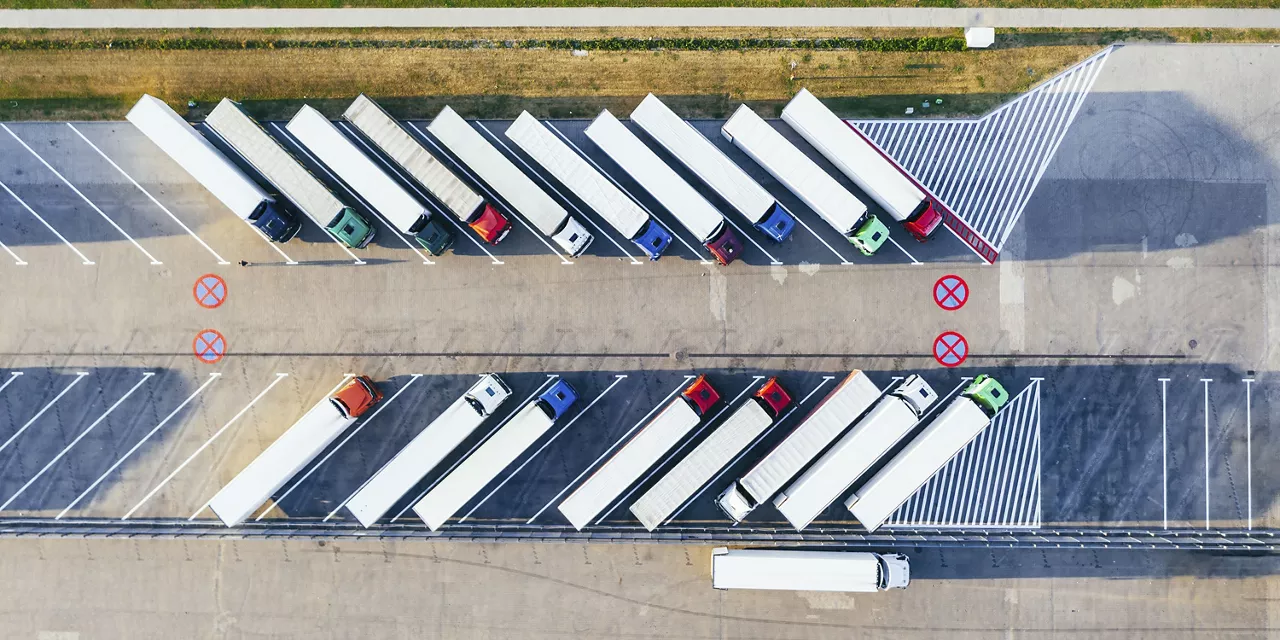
(355, 397)
(926, 220)
(490, 225)
(774, 397)
(701, 395)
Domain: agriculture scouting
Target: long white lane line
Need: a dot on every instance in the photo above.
(82, 196)
(617, 378)
(16, 260)
(148, 195)
(219, 432)
(83, 259)
(748, 448)
(369, 205)
(903, 250)
(79, 376)
(615, 445)
(1164, 446)
(13, 375)
(548, 185)
(675, 454)
(261, 234)
(634, 199)
(146, 376)
(298, 145)
(1248, 447)
(343, 442)
(843, 260)
(1206, 382)
(498, 199)
(212, 377)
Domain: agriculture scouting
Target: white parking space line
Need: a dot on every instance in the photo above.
(1164, 445)
(212, 377)
(748, 448)
(83, 259)
(295, 144)
(368, 205)
(615, 445)
(13, 375)
(493, 197)
(616, 379)
(16, 260)
(1248, 447)
(589, 159)
(550, 379)
(546, 183)
(82, 196)
(145, 377)
(1206, 382)
(79, 376)
(440, 209)
(903, 250)
(149, 196)
(219, 432)
(658, 468)
(342, 443)
(843, 260)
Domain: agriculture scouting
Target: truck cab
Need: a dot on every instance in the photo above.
(356, 397)
(773, 397)
(895, 571)
(558, 399)
(653, 239)
(434, 236)
(276, 222)
(726, 247)
(736, 503)
(924, 221)
(573, 237)
(777, 224)
(351, 228)
(486, 395)
(701, 395)
(870, 235)
(489, 224)
(917, 393)
(987, 394)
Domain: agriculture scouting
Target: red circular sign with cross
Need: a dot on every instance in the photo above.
(210, 291)
(209, 346)
(950, 349)
(950, 292)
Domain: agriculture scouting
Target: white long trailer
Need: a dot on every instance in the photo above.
(856, 157)
(666, 186)
(625, 467)
(297, 446)
(787, 570)
(427, 449)
(714, 168)
(927, 453)
(504, 177)
(399, 145)
(803, 177)
(606, 199)
(888, 422)
(822, 426)
(181, 142)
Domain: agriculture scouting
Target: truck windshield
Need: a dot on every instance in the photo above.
(475, 404)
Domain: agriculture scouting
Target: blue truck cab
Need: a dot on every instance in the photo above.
(275, 221)
(557, 400)
(653, 239)
(777, 224)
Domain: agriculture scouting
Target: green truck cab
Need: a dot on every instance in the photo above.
(987, 394)
(871, 234)
(351, 228)
(435, 236)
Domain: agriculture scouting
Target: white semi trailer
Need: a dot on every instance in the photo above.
(712, 167)
(589, 185)
(787, 570)
(336, 151)
(886, 424)
(666, 186)
(803, 177)
(181, 142)
(928, 452)
(818, 430)
(427, 449)
(865, 164)
(510, 182)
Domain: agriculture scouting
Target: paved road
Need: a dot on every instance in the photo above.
(639, 17)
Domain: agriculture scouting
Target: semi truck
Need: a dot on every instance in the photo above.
(412, 463)
(818, 430)
(870, 439)
(803, 177)
(296, 447)
(787, 570)
(714, 168)
(336, 151)
(405, 150)
(180, 141)
(865, 164)
(695, 470)
(497, 453)
(624, 468)
(589, 185)
(669, 189)
(928, 452)
(504, 177)
(284, 171)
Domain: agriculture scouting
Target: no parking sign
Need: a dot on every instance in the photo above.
(950, 349)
